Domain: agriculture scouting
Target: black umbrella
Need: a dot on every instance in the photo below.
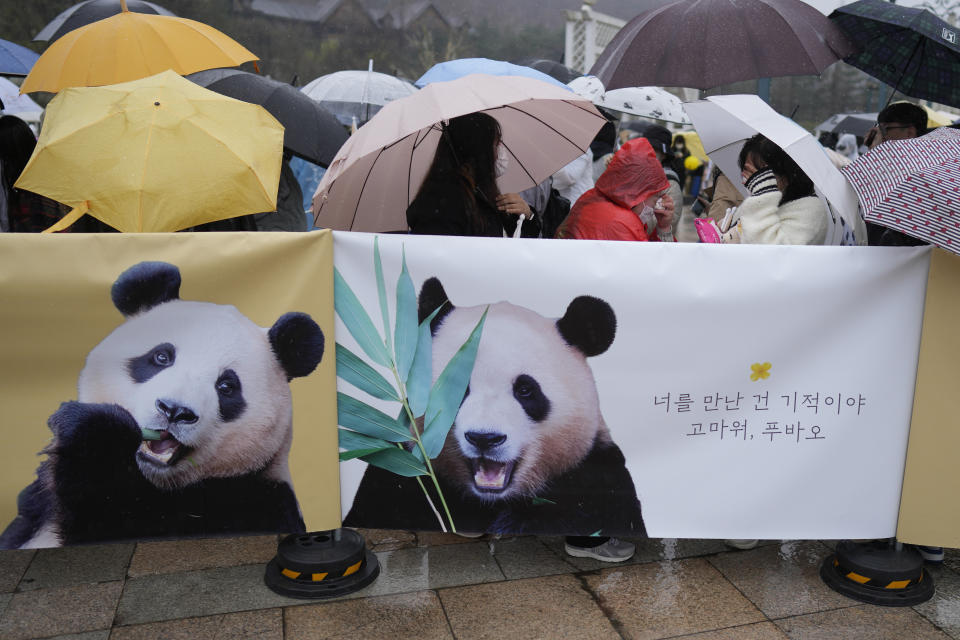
(84, 13)
(707, 43)
(552, 68)
(911, 50)
(310, 131)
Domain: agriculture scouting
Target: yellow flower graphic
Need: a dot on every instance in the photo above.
(760, 371)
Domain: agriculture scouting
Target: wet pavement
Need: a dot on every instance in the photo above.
(448, 587)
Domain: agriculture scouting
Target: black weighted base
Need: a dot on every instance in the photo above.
(878, 573)
(322, 564)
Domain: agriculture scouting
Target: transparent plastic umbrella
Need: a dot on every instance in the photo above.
(359, 95)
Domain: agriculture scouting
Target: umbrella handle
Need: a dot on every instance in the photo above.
(75, 214)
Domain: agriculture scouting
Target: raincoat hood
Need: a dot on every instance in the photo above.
(634, 174)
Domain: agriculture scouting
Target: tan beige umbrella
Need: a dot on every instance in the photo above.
(378, 171)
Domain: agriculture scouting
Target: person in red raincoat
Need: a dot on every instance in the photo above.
(623, 203)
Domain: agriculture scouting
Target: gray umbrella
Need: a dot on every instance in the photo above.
(310, 131)
(83, 13)
(707, 43)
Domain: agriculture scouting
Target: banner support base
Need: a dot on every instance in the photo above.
(881, 572)
(321, 564)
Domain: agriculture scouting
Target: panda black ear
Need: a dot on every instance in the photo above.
(431, 297)
(589, 325)
(144, 286)
(297, 342)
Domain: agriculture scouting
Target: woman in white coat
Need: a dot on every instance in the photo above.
(783, 207)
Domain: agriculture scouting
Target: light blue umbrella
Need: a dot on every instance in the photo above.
(453, 69)
(15, 60)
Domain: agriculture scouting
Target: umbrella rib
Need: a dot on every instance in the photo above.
(243, 161)
(547, 125)
(803, 46)
(143, 171)
(356, 207)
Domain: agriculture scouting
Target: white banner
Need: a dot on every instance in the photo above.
(755, 391)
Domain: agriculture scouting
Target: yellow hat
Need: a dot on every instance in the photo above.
(692, 163)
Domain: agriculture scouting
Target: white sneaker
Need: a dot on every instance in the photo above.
(613, 550)
(741, 544)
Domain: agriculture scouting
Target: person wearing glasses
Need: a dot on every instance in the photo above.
(898, 121)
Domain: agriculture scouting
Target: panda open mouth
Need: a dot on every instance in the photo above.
(166, 451)
(490, 475)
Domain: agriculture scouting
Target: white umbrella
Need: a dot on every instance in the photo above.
(646, 102)
(587, 86)
(356, 94)
(724, 123)
(380, 168)
(13, 102)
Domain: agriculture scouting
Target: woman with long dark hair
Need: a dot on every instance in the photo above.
(459, 196)
(783, 207)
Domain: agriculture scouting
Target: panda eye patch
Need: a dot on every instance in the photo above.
(528, 393)
(228, 383)
(230, 395)
(143, 367)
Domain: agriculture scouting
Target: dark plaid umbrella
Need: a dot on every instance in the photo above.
(310, 131)
(552, 68)
(913, 186)
(707, 43)
(84, 13)
(911, 50)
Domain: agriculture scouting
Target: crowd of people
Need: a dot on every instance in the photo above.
(628, 187)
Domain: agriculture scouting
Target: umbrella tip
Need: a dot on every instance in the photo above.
(123, 6)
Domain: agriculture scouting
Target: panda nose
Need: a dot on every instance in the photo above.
(175, 413)
(484, 440)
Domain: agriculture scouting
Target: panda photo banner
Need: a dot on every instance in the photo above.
(178, 385)
(605, 388)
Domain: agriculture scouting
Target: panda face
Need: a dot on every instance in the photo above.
(205, 377)
(531, 411)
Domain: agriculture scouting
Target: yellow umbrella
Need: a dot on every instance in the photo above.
(128, 46)
(157, 154)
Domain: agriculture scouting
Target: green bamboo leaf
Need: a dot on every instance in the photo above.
(542, 501)
(399, 461)
(358, 323)
(405, 334)
(381, 291)
(352, 441)
(354, 370)
(357, 453)
(357, 416)
(150, 434)
(447, 393)
(421, 371)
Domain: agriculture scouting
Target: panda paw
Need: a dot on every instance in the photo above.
(82, 427)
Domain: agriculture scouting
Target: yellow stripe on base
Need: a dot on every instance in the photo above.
(856, 577)
(898, 584)
(352, 568)
(317, 577)
(293, 575)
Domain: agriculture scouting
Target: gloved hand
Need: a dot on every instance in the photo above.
(762, 181)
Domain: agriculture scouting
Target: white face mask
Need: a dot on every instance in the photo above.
(503, 161)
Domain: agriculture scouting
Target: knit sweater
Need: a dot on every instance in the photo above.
(763, 220)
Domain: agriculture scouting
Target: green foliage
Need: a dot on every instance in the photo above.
(397, 444)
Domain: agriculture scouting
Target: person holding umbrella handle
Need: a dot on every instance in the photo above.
(459, 196)
(783, 207)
